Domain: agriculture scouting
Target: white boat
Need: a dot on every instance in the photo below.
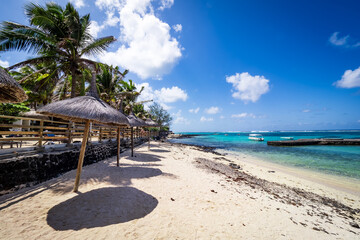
(256, 137)
(287, 138)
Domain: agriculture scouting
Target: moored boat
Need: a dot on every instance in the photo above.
(256, 137)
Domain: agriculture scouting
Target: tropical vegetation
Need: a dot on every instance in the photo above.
(161, 116)
(61, 43)
(59, 36)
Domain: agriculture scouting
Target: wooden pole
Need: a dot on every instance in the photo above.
(41, 133)
(81, 157)
(149, 141)
(100, 135)
(69, 134)
(90, 133)
(118, 146)
(132, 141)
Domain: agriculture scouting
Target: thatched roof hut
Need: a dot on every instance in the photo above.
(88, 108)
(10, 89)
(151, 123)
(135, 121)
(80, 109)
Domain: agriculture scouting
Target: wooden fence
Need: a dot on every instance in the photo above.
(40, 132)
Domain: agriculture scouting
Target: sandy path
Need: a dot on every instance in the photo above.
(159, 194)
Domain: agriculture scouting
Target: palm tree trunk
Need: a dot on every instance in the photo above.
(73, 82)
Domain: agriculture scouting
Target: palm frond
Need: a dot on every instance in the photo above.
(33, 61)
(49, 19)
(97, 46)
(14, 36)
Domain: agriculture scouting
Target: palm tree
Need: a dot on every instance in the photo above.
(37, 85)
(128, 95)
(109, 83)
(58, 36)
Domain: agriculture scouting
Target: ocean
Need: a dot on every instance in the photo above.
(335, 160)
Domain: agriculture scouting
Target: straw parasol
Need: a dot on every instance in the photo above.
(150, 123)
(134, 122)
(88, 108)
(10, 89)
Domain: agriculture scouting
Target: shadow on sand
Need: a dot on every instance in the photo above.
(101, 207)
(143, 157)
(158, 150)
(116, 176)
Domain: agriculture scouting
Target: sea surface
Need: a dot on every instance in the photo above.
(335, 160)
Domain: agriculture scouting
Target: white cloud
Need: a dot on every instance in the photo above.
(166, 4)
(4, 64)
(350, 79)
(109, 4)
(345, 41)
(204, 119)
(247, 87)
(162, 96)
(306, 110)
(243, 115)
(222, 117)
(147, 48)
(169, 95)
(179, 119)
(338, 41)
(111, 20)
(95, 28)
(177, 27)
(194, 110)
(212, 110)
(78, 3)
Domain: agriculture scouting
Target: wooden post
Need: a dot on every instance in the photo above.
(69, 134)
(118, 147)
(90, 133)
(41, 130)
(82, 154)
(132, 141)
(100, 135)
(149, 141)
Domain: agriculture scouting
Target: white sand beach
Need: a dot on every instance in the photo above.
(169, 193)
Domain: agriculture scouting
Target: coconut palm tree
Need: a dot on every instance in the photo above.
(128, 95)
(109, 83)
(58, 36)
(37, 85)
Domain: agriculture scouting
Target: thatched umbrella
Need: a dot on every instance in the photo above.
(134, 122)
(150, 123)
(10, 89)
(88, 108)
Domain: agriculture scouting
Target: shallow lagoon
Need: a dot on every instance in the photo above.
(338, 160)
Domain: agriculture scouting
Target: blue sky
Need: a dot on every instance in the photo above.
(233, 65)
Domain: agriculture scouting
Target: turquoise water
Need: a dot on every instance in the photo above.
(338, 160)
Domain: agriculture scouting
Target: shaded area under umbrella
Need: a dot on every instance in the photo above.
(88, 108)
(10, 89)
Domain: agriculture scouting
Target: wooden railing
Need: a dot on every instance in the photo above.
(38, 132)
